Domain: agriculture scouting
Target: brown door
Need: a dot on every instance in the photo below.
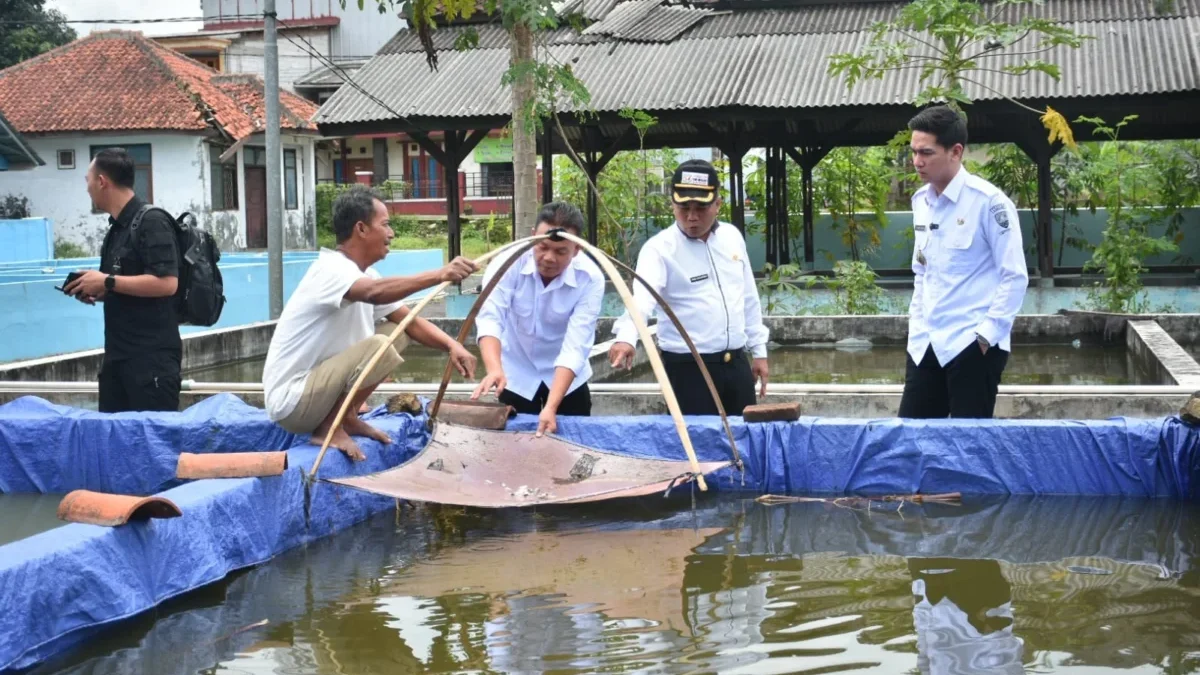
(256, 207)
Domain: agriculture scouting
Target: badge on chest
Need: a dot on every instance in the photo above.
(697, 279)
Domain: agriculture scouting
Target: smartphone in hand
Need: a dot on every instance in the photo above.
(72, 276)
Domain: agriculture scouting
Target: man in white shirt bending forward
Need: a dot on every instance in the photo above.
(331, 327)
(538, 326)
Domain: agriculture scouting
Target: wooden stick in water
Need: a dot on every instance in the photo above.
(648, 343)
(395, 335)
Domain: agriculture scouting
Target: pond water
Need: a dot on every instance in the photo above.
(884, 364)
(421, 364)
(24, 515)
(1049, 585)
(1033, 364)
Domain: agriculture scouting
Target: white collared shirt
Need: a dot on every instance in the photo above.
(709, 285)
(970, 268)
(542, 326)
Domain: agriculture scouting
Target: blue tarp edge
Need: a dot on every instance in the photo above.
(60, 585)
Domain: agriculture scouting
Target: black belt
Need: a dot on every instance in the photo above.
(726, 356)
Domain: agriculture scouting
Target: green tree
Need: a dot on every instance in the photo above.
(631, 189)
(1176, 183)
(851, 183)
(948, 41)
(29, 29)
(1126, 244)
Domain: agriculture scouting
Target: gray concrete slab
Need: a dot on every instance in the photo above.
(1160, 353)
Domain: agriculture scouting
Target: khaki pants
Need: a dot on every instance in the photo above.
(330, 380)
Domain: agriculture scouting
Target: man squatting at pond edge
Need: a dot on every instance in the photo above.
(331, 327)
(700, 267)
(538, 326)
(969, 282)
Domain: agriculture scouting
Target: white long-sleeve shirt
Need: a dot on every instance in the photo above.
(709, 285)
(969, 265)
(542, 326)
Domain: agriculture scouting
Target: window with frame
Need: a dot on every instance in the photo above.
(224, 180)
(143, 168)
(291, 199)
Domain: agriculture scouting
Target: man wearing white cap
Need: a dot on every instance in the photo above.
(700, 267)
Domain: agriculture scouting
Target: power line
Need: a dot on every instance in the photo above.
(174, 19)
(346, 77)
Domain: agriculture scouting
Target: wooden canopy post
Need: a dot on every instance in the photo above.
(594, 162)
(1041, 152)
(547, 167)
(456, 146)
(808, 157)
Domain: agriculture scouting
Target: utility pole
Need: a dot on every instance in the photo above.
(274, 161)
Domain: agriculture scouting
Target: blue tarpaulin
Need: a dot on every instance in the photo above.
(1128, 457)
(58, 586)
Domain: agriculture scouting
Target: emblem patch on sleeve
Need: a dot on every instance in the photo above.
(1000, 213)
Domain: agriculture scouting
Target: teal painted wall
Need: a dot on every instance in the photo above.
(896, 248)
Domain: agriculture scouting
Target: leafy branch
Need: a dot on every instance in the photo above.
(948, 40)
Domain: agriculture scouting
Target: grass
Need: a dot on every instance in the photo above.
(471, 246)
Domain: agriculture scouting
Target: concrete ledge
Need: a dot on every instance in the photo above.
(1152, 346)
(1008, 406)
(200, 350)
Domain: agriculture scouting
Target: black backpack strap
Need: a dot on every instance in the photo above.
(147, 208)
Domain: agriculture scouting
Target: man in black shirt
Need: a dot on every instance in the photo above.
(139, 272)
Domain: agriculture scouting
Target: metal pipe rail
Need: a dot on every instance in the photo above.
(194, 387)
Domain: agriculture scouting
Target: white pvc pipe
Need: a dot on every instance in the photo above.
(193, 387)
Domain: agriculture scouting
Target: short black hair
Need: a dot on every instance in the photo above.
(944, 123)
(352, 207)
(116, 165)
(561, 214)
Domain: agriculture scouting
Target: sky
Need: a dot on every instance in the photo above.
(141, 9)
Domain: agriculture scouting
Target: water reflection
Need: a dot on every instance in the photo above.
(24, 515)
(1005, 586)
(884, 364)
(421, 364)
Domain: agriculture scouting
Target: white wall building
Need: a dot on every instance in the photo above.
(177, 119)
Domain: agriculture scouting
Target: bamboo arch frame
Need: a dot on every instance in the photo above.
(605, 263)
(469, 322)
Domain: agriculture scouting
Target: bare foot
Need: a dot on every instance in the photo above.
(341, 441)
(357, 427)
(364, 409)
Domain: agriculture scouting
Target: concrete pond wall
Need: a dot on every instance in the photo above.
(1155, 342)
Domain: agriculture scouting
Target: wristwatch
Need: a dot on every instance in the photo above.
(110, 282)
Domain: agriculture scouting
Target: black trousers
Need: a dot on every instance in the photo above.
(732, 378)
(146, 382)
(577, 403)
(964, 388)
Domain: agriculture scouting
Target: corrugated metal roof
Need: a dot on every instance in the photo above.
(788, 71)
(329, 76)
(853, 17)
(624, 16)
(663, 24)
(593, 10)
(819, 19)
(15, 150)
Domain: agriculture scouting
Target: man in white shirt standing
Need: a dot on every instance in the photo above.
(970, 278)
(331, 327)
(538, 326)
(700, 267)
